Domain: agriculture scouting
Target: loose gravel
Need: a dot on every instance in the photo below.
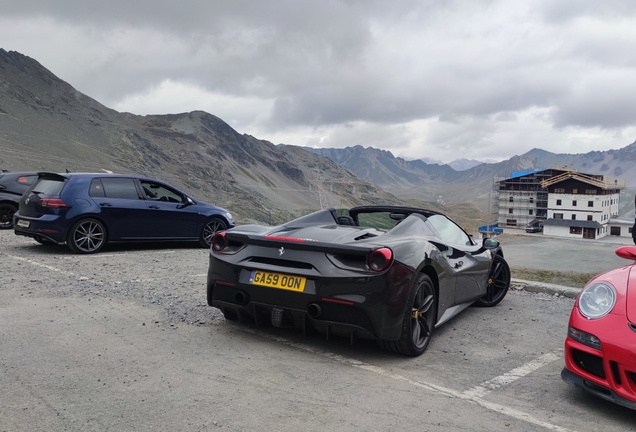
(171, 276)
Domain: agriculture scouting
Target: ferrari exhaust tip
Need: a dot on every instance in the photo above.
(241, 298)
(314, 310)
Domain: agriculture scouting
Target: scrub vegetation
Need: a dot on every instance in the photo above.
(571, 279)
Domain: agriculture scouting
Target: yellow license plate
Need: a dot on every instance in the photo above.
(277, 280)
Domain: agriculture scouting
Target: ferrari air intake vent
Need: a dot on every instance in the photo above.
(282, 263)
(633, 327)
(365, 236)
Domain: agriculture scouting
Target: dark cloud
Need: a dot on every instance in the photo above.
(601, 100)
(469, 68)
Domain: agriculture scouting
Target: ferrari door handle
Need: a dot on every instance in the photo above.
(458, 264)
(105, 205)
(154, 207)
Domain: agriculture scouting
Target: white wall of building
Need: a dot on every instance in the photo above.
(559, 231)
(600, 207)
(625, 227)
(564, 231)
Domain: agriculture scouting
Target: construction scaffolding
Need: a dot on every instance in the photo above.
(520, 197)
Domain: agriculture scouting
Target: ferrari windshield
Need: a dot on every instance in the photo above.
(414, 224)
(379, 220)
(325, 216)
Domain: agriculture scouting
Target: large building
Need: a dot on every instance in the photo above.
(568, 203)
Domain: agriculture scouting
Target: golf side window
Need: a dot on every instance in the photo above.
(119, 187)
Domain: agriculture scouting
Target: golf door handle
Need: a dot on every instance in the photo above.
(105, 205)
(154, 207)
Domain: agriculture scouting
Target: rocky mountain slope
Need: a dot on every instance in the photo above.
(47, 125)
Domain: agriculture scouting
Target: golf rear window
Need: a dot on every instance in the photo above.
(48, 186)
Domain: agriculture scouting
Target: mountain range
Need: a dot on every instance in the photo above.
(47, 125)
(443, 184)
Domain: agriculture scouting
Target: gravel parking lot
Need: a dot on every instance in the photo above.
(124, 340)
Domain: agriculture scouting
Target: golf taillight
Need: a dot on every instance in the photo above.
(219, 242)
(380, 259)
(52, 203)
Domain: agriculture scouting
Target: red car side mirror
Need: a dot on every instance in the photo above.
(627, 252)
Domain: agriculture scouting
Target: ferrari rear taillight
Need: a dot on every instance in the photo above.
(52, 203)
(219, 242)
(380, 259)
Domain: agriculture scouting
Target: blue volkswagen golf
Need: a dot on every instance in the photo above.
(88, 210)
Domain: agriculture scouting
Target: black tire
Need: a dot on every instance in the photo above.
(211, 227)
(87, 236)
(498, 283)
(7, 211)
(419, 320)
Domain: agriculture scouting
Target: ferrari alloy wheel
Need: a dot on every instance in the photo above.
(211, 227)
(87, 236)
(6, 215)
(498, 283)
(419, 320)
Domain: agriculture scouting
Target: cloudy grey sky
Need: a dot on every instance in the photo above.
(440, 79)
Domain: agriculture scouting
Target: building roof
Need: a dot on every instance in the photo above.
(621, 221)
(572, 223)
(598, 181)
(524, 173)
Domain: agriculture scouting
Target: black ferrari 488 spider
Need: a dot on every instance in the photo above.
(382, 272)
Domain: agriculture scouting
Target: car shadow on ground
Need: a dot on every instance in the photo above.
(57, 249)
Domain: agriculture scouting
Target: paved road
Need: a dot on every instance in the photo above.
(123, 340)
(536, 251)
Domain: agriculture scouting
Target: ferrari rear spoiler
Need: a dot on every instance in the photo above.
(294, 243)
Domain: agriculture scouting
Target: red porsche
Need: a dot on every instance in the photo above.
(600, 349)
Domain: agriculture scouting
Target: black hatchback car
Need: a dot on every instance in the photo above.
(88, 210)
(12, 186)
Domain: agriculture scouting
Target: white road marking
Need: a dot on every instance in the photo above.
(48, 267)
(135, 281)
(486, 387)
(502, 409)
(83, 278)
(114, 254)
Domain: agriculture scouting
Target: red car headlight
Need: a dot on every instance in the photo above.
(597, 300)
